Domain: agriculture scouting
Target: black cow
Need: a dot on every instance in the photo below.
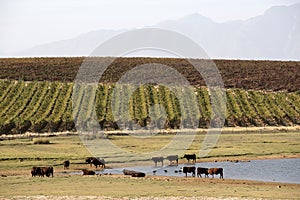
(189, 170)
(213, 171)
(66, 164)
(190, 157)
(201, 170)
(158, 159)
(173, 158)
(88, 172)
(95, 161)
(89, 160)
(98, 162)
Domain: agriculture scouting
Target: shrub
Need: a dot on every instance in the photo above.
(41, 141)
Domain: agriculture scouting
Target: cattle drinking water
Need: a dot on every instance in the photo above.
(213, 171)
(172, 158)
(189, 170)
(158, 159)
(201, 170)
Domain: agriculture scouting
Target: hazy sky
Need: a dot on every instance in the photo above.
(25, 23)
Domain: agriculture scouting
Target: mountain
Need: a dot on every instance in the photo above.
(275, 35)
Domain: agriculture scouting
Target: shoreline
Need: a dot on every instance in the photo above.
(207, 188)
(224, 130)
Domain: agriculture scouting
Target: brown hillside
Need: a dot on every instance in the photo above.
(257, 75)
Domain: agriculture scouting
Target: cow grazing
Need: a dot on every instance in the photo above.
(201, 170)
(88, 172)
(47, 171)
(158, 159)
(213, 171)
(36, 171)
(42, 171)
(89, 160)
(133, 173)
(66, 164)
(189, 170)
(173, 158)
(190, 157)
(98, 162)
(95, 161)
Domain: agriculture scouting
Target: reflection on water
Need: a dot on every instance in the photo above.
(278, 170)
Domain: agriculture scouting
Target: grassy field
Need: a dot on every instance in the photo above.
(19, 155)
(121, 186)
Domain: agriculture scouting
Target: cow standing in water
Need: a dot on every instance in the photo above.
(213, 171)
(158, 159)
(190, 157)
(201, 170)
(173, 158)
(189, 170)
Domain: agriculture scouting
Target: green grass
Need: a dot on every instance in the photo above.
(251, 145)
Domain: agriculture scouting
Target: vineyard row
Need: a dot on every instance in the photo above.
(56, 106)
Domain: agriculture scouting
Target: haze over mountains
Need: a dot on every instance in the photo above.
(275, 35)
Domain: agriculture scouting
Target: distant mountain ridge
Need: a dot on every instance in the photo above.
(275, 35)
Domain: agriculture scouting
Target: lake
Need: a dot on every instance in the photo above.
(275, 170)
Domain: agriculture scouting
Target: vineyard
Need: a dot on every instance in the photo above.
(45, 106)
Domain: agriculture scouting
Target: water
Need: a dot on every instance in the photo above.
(278, 170)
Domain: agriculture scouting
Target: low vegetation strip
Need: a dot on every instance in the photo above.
(49, 107)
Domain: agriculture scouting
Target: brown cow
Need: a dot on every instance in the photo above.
(173, 158)
(189, 170)
(158, 159)
(88, 172)
(47, 171)
(66, 164)
(42, 171)
(36, 171)
(213, 171)
(201, 170)
(133, 173)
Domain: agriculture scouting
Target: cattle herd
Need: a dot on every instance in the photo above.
(201, 170)
(97, 162)
(42, 171)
